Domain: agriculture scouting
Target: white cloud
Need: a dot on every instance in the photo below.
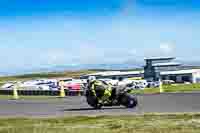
(167, 48)
(162, 49)
(133, 52)
(54, 56)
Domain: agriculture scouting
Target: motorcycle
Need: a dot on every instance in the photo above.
(117, 98)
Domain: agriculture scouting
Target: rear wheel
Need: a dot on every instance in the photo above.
(93, 102)
(97, 106)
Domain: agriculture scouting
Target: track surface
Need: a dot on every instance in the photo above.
(73, 106)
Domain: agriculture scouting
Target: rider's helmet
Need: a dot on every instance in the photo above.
(91, 78)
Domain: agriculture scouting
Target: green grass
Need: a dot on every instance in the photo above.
(171, 89)
(73, 74)
(148, 123)
(2, 83)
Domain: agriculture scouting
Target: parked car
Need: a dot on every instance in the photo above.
(168, 82)
(7, 86)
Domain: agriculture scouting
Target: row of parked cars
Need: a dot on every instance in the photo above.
(133, 84)
(75, 84)
(46, 84)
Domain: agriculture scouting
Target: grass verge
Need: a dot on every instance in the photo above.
(148, 123)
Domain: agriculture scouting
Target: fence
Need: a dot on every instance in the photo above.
(41, 92)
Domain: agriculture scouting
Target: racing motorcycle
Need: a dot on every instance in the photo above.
(117, 98)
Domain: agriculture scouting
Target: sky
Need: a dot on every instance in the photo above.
(46, 33)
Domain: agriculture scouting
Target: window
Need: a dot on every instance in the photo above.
(186, 79)
(172, 78)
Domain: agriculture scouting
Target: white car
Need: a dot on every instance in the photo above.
(7, 86)
(43, 87)
(110, 81)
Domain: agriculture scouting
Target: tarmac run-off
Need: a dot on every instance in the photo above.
(77, 106)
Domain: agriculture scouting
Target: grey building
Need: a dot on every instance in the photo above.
(154, 67)
(166, 69)
(163, 68)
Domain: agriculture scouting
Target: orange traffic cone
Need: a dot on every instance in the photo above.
(62, 89)
(15, 92)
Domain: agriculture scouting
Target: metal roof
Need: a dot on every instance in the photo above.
(110, 73)
(190, 71)
(167, 64)
(159, 58)
(102, 73)
(124, 73)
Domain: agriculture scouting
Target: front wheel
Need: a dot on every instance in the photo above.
(129, 101)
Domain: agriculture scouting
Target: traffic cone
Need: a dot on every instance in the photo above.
(161, 87)
(62, 90)
(15, 93)
(79, 93)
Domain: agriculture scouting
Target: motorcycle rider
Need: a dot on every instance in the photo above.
(101, 90)
(99, 93)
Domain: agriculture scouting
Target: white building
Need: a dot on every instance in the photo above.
(181, 76)
(178, 76)
(115, 74)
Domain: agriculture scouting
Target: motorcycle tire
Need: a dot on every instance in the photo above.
(93, 102)
(129, 101)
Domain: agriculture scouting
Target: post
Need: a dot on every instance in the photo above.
(79, 93)
(80, 89)
(161, 86)
(62, 89)
(15, 93)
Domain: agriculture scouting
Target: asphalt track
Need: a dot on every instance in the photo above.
(77, 106)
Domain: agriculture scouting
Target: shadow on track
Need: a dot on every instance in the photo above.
(90, 109)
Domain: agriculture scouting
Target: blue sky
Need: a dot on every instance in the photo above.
(45, 33)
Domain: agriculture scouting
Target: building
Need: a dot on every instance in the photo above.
(154, 66)
(181, 76)
(115, 74)
(165, 69)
